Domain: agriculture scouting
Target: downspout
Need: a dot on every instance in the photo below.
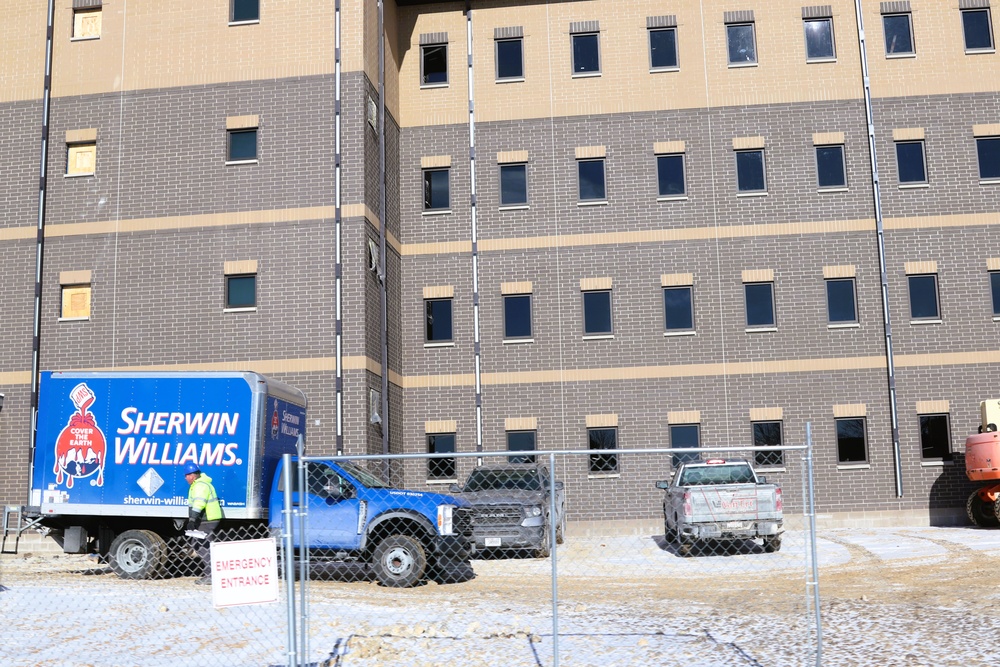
(477, 346)
(339, 267)
(36, 340)
(384, 333)
(880, 233)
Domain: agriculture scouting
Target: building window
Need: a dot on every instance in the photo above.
(978, 29)
(591, 180)
(510, 59)
(86, 23)
(841, 304)
(989, 158)
(995, 292)
(438, 320)
(434, 64)
(670, 175)
(81, 159)
(241, 291)
(516, 316)
(759, 304)
(678, 311)
(684, 436)
(244, 11)
(75, 302)
(436, 189)
(741, 43)
(851, 446)
(898, 34)
(513, 184)
(441, 468)
(603, 438)
(910, 162)
(935, 440)
(586, 54)
(819, 39)
(663, 49)
(521, 441)
(597, 313)
(830, 171)
(767, 434)
(750, 171)
(242, 145)
(923, 297)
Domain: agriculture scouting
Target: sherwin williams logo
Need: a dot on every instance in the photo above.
(81, 447)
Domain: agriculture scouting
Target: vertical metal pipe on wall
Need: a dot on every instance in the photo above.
(36, 339)
(477, 346)
(384, 333)
(880, 234)
(339, 267)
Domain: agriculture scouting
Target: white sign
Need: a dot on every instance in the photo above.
(244, 572)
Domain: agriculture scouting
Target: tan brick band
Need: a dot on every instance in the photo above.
(239, 268)
(668, 147)
(684, 417)
(828, 138)
(676, 279)
(520, 424)
(508, 157)
(88, 135)
(441, 426)
(933, 407)
(766, 414)
(993, 264)
(523, 287)
(602, 421)
(991, 130)
(591, 284)
(747, 143)
(758, 276)
(908, 134)
(584, 152)
(917, 268)
(435, 161)
(242, 122)
(850, 410)
(74, 277)
(439, 292)
(839, 271)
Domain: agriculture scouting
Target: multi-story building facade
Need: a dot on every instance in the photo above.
(464, 226)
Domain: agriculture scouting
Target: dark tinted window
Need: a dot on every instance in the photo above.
(603, 438)
(510, 59)
(436, 194)
(830, 167)
(760, 304)
(840, 301)
(681, 437)
(923, 298)
(740, 44)
(663, 48)
(242, 145)
(513, 184)
(591, 173)
(767, 434)
(670, 175)
(433, 64)
(989, 158)
(246, 10)
(517, 316)
(596, 313)
(443, 468)
(935, 442)
(438, 320)
(897, 33)
(677, 310)
(750, 171)
(978, 32)
(851, 441)
(585, 54)
(995, 292)
(819, 38)
(521, 441)
(910, 161)
(241, 291)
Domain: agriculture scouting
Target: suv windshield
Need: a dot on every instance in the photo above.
(363, 476)
(717, 474)
(488, 480)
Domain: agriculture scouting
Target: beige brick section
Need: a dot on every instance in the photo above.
(591, 284)
(441, 426)
(520, 424)
(508, 157)
(239, 268)
(434, 161)
(908, 134)
(74, 277)
(828, 138)
(684, 417)
(22, 68)
(850, 410)
(584, 152)
(439, 292)
(88, 135)
(745, 143)
(991, 130)
(242, 122)
(916, 268)
(602, 421)
(993, 264)
(523, 287)
(933, 407)
(668, 147)
(676, 279)
(766, 414)
(758, 276)
(839, 271)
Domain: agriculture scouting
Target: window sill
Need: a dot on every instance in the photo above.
(844, 325)
(514, 207)
(768, 469)
(250, 22)
(925, 321)
(657, 70)
(825, 190)
(513, 79)
(760, 329)
(990, 181)
(90, 173)
(599, 337)
(596, 202)
(432, 482)
(603, 475)
(819, 61)
(853, 466)
(230, 163)
(428, 86)
(762, 193)
(673, 198)
(249, 309)
(74, 319)
(893, 56)
(740, 65)
(90, 39)
(517, 341)
(679, 333)
(441, 211)
(913, 186)
(586, 75)
(936, 464)
(447, 344)
(996, 318)
(975, 52)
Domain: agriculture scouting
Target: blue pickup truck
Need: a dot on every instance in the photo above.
(107, 476)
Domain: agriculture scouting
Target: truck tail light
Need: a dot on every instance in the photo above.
(777, 500)
(687, 504)
(445, 519)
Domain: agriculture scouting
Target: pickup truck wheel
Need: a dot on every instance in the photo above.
(772, 543)
(981, 513)
(545, 548)
(138, 554)
(561, 529)
(400, 561)
(669, 534)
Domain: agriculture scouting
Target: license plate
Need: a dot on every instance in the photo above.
(492, 541)
(734, 524)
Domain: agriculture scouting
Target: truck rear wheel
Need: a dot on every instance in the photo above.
(980, 512)
(138, 554)
(772, 543)
(400, 561)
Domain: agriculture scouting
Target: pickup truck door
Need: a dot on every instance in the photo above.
(333, 506)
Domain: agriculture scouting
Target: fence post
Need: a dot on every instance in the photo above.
(289, 550)
(303, 511)
(812, 545)
(552, 556)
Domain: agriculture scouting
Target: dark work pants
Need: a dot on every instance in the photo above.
(203, 546)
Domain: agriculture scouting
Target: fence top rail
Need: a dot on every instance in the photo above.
(550, 452)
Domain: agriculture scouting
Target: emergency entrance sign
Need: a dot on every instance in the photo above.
(244, 572)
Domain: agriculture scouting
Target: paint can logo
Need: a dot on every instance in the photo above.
(81, 448)
(274, 421)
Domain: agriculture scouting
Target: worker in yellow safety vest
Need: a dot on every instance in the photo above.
(204, 514)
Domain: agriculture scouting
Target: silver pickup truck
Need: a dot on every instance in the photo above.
(720, 499)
